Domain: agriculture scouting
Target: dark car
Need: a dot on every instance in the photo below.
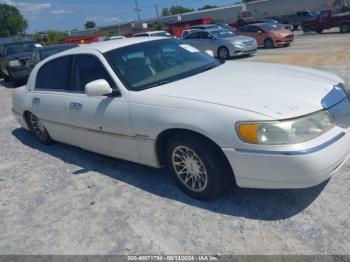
(41, 53)
(13, 60)
(328, 20)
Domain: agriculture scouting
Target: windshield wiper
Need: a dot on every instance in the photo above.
(158, 84)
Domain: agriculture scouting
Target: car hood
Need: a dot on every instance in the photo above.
(18, 56)
(276, 91)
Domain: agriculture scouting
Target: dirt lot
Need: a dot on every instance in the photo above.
(63, 200)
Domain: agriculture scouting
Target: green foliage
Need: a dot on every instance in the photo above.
(177, 9)
(90, 24)
(165, 11)
(12, 22)
(51, 37)
(207, 7)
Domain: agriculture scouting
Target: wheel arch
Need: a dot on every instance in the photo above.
(163, 138)
(25, 116)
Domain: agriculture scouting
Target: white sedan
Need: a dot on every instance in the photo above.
(160, 102)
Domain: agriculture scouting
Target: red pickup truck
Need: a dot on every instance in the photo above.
(327, 20)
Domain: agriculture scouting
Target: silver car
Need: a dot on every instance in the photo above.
(223, 43)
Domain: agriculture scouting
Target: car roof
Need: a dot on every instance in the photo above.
(255, 24)
(18, 42)
(106, 46)
(205, 25)
(150, 32)
(56, 46)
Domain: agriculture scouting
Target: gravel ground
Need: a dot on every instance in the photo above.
(63, 200)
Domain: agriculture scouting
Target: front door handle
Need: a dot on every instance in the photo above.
(75, 106)
(36, 101)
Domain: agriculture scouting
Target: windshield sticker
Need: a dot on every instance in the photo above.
(190, 48)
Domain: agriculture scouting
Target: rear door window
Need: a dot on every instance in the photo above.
(55, 75)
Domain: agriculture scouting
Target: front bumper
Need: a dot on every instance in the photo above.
(283, 41)
(236, 51)
(293, 169)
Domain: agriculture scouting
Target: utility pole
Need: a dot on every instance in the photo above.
(138, 14)
(157, 13)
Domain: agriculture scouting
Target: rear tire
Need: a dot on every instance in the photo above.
(319, 31)
(223, 53)
(198, 168)
(268, 44)
(15, 83)
(345, 28)
(307, 29)
(39, 130)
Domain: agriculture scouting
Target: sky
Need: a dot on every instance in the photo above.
(72, 14)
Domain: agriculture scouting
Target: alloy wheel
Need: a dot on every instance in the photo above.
(223, 53)
(38, 127)
(189, 168)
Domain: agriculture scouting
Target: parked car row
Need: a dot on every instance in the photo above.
(17, 59)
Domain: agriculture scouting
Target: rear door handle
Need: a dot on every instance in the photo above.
(36, 100)
(75, 106)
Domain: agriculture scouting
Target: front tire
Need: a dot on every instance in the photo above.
(38, 128)
(268, 44)
(319, 31)
(345, 28)
(223, 53)
(15, 83)
(6, 78)
(198, 168)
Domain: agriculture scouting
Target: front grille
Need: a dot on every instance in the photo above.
(340, 113)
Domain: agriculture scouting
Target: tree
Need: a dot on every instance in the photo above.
(11, 21)
(207, 7)
(90, 24)
(177, 9)
(165, 11)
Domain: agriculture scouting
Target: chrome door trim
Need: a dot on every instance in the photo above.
(136, 136)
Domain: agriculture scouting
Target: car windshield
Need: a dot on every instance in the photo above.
(46, 52)
(149, 64)
(270, 27)
(16, 48)
(223, 33)
(314, 13)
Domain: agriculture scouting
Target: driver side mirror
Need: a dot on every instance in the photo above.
(97, 88)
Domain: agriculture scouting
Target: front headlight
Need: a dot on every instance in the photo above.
(14, 63)
(291, 131)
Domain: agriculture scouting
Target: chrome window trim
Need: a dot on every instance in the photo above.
(294, 153)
